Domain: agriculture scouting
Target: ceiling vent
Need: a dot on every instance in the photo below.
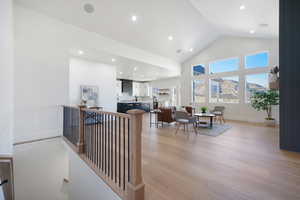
(179, 51)
(88, 8)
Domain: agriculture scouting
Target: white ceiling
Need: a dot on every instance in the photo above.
(157, 19)
(227, 16)
(126, 68)
(193, 24)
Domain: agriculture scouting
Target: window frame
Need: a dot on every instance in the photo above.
(245, 84)
(220, 60)
(192, 89)
(255, 53)
(224, 76)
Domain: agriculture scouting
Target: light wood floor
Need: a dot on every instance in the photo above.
(243, 163)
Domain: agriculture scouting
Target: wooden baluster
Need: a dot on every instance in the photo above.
(102, 142)
(124, 153)
(136, 186)
(97, 141)
(128, 149)
(105, 142)
(111, 147)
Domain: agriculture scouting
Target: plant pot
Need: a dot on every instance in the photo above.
(270, 122)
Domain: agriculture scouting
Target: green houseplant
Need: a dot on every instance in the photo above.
(204, 109)
(263, 101)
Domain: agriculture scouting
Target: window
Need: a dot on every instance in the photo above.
(224, 90)
(256, 83)
(227, 65)
(198, 91)
(257, 60)
(198, 70)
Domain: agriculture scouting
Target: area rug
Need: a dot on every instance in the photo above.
(217, 130)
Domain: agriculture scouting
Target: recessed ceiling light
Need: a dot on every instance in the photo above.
(120, 72)
(242, 7)
(80, 52)
(113, 60)
(252, 31)
(191, 49)
(133, 18)
(135, 69)
(89, 8)
(170, 38)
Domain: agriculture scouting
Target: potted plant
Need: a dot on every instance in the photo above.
(263, 101)
(204, 109)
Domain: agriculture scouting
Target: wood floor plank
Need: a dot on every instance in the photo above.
(244, 163)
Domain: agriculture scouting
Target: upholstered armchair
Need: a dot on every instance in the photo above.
(184, 118)
(219, 112)
(166, 115)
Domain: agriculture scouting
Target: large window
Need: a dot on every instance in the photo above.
(224, 90)
(257, 60)
(198, 91)
(224, 66)
(198, 70)
(256, 83)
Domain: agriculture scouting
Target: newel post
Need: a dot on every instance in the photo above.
(80, 144)
(136, 185)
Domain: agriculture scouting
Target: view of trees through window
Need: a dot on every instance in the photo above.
(256, 83)
(199, 91)
(224, 90)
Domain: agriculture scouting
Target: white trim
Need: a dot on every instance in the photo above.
(241, 73)
(192, 91)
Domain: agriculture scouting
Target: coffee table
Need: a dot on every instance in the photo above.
(206, 115)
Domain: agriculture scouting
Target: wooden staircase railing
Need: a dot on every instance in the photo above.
(110, 143)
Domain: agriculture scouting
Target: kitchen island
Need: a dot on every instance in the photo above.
(123, 107)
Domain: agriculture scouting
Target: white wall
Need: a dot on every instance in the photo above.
(42, 56)
(166, 83)
(6, 77)
(84, 183)
(228, 47)
(169, 83)
(83, 72)
(39, 170)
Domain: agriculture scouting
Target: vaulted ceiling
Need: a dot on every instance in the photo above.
(156, 21)
(193, 24)
(239, 17)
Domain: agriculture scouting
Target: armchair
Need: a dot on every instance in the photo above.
(219, 112)
(183, 118)
(166, 115)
